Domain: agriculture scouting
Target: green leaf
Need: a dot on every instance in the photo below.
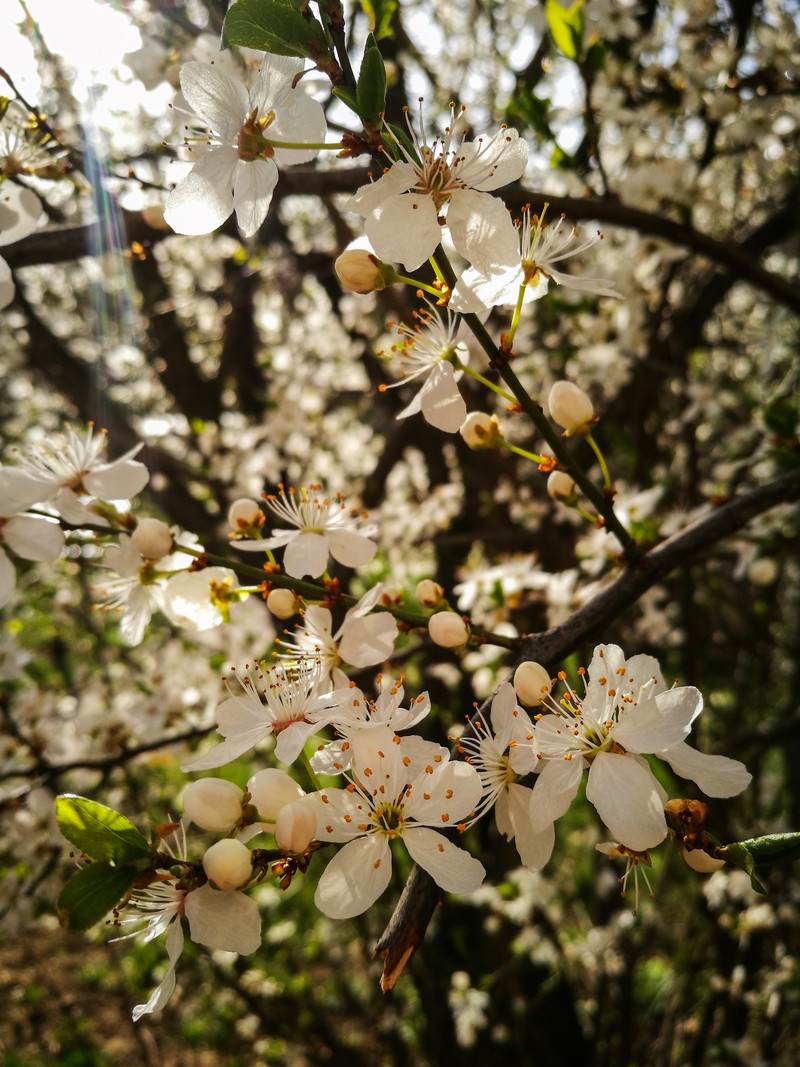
(772, 848)
(101, 832)
(566, 26)
(274, 26)
(379, 16)
(347, 96)
(371, 87)
(92, 892)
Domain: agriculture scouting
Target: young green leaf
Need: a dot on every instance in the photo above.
(371, 87)
(566, 26)
(101, 832)
(379, 16)
(92, 892)
(274, 26)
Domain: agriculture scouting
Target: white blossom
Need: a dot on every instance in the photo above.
(391, 798)
(626, 711)
(404, 208)
(239, 170)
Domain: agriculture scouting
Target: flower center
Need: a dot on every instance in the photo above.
(388, 818)
(251, 142)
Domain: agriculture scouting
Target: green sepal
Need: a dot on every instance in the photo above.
(566, 26)
(101, 832)
(371, 87)
(379, 16)
(274, 26)
(92, 892)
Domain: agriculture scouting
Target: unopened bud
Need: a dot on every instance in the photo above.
(245, 514)
(571, 408)
(561, 487)
(362, 272)
(448, 629)
(152, 539)
(429, 592)
(270, 790)
(532, 683)
(295, 827)
(214, 804)
(228, 864)
(480, 430)
(283, 603)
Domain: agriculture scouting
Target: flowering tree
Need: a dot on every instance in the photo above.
(334, 388)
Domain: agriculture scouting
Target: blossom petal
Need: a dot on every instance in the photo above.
(440, 401)
(299, 119)
(355, 877)
(224, 919)
(273, 83)
(18, 490)
(307, 553)
(482, 230)
(451, 867)
(34, 538)
(215, 97)
(166, 987)
(20, 211)
(405, 229)
(7, 289)
(117, 481)
(661, 723)
(399, 178)
(368, 641)
(8, 578)
(204, 199)
(351, 548)
(253, 186)
(490, 163)
(554, 791)
(534, 847)
(628, 800)
(717, 776)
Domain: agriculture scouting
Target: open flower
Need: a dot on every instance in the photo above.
(627, 711)
(30, 537)
(290, 703)
(390, 798)
(527, 255)
(404, 208)
(239, 171)
(363, 640)
(501, 756)
(434, 347)
(323, 526)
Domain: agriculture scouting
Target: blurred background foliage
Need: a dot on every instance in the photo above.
(674, 127)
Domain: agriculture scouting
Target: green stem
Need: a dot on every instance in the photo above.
(601, 459)
(302, 145)
(499, 360)
(310, 770)
(417, 284)
(489, 385)
(515, 318)
(523, 453)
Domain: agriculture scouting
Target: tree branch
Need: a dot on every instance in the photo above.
(416, 905)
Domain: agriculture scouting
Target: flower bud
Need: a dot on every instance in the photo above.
(362, 272)
(532, 683)
(561, 487)
(571, 408)
(214, 804)
(270, 790)
(152, 539)
(228, 864)
(429, 592)
(295, 827)
(448, 629)
(480, 430)
(245, 514)
(283, 603)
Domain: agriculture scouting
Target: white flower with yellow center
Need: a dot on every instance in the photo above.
(435, 347)
(391, 797)
(323, 526)
(627, 711)
(239, 169)
(443, 183)
(526, 256)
